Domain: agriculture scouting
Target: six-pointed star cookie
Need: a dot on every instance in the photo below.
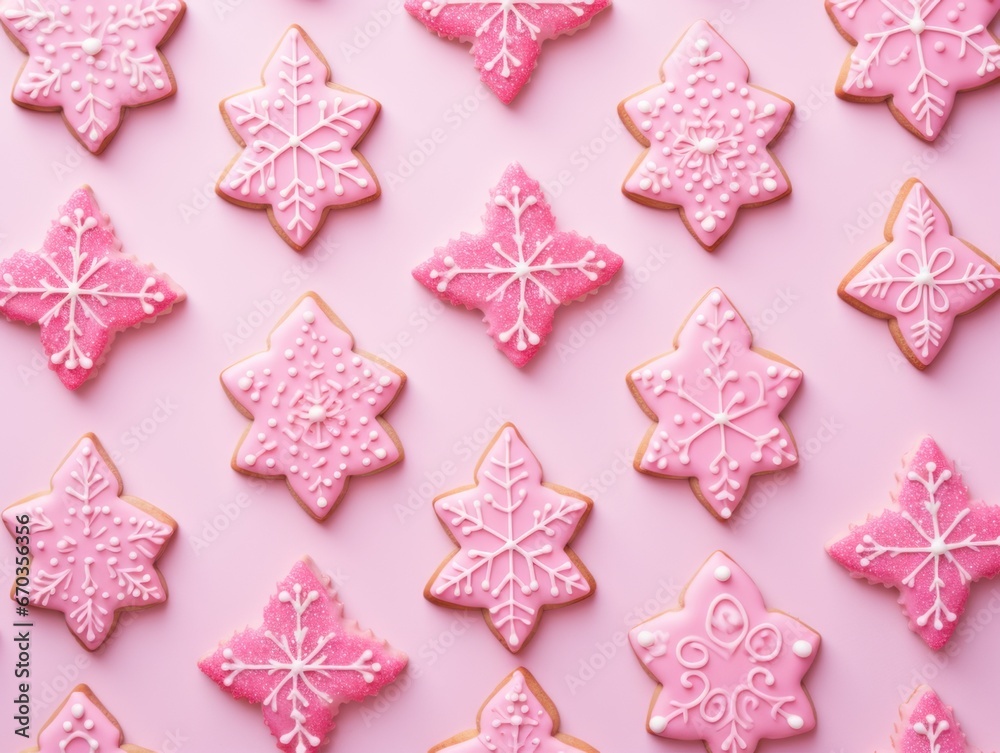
(729, 670)
(299, 134)
(923, 278)
(927, 725)
(93, 551)
(931, 545)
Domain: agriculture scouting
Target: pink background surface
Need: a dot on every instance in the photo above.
(860, 408)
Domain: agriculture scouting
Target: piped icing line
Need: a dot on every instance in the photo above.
(927, 725)
(729, 671)
(916, 54)
(513, 533)
(931, 544)
(316, 405)
(707, 134)
(716, 401)
(82, 722)
(923, 278)
(93, 551)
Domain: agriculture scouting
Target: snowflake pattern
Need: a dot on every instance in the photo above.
(932, 548)
(94, 551)
(516, 719)
(506, 35)
(316, 407)
(303, 662)
(730, 671)
(513, 533)
(923, 278)
(707, 133)
(81, 290)
(927, 725)
(918, 54)
(299, 134)
(82, 717)
(717, 404)
(92, 60)
(520, 270)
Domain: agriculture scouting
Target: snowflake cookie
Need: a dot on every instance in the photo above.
(316, 405)
(81, 290)
(506, 35)
(513, 533)
(707, 132)
(82, 723)
(93, 551)
(520, 270)
(926, 725)
(303, 662)
(92, 60)
(922, 278)
(299, 134)
(917, 54)
(518, 717)
(729, 670)
(931, 545)
(717, 404)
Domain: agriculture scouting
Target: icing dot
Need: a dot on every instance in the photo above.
(77, 710)
(657, 724)
(91, 45)
(795, 722)
(645, 639)
(723, 573)
(802, 649)
(308, 317)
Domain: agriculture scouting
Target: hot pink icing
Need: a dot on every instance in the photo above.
(82, 723)
(730, 671)
(717, 403)
(316, 406)
(520, 270)
(516, 719)
(513, 534)
(506, 35)
(300, 134)
(92, 59)
(708, 133)
(924, 277)
(93, 551)
(931, 545)
(303, 662)
(928, 726)
(919, 54)
(81, 290)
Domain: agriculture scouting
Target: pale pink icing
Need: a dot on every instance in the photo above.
(730, 671)
(924, 277)
(81, 290)
(82, 724)
(506, 35)
(303, 662)
(927, 725)
(316, 406)
(708, 131)
(931, 545)
(717, 404)
(93, 551)
(520, 270)
(921, 54)
(300, 133)
(513, 533)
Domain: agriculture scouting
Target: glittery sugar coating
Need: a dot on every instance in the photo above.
(303, 662)
(506, 35)
(81, 290)
(927, 725)
(520, 269)
(931, 545)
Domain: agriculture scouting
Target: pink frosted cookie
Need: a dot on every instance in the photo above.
(303, 662)
(82, 290)
(717, 404)
(926, 725)
(316, 405)
(518, 717)
(930, 545)
(299, 134)
(916, 55)
(707, 133)
(93, 551)
(520, 270)
(506, 35)
(513, 533)
(83, 724)
(91, 60)
(729, 670)
(922, 278)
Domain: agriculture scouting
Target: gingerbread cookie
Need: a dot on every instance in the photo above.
(926, 725)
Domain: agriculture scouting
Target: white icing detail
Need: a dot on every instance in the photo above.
(932, 728)
(802, 649)
(723, 573)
